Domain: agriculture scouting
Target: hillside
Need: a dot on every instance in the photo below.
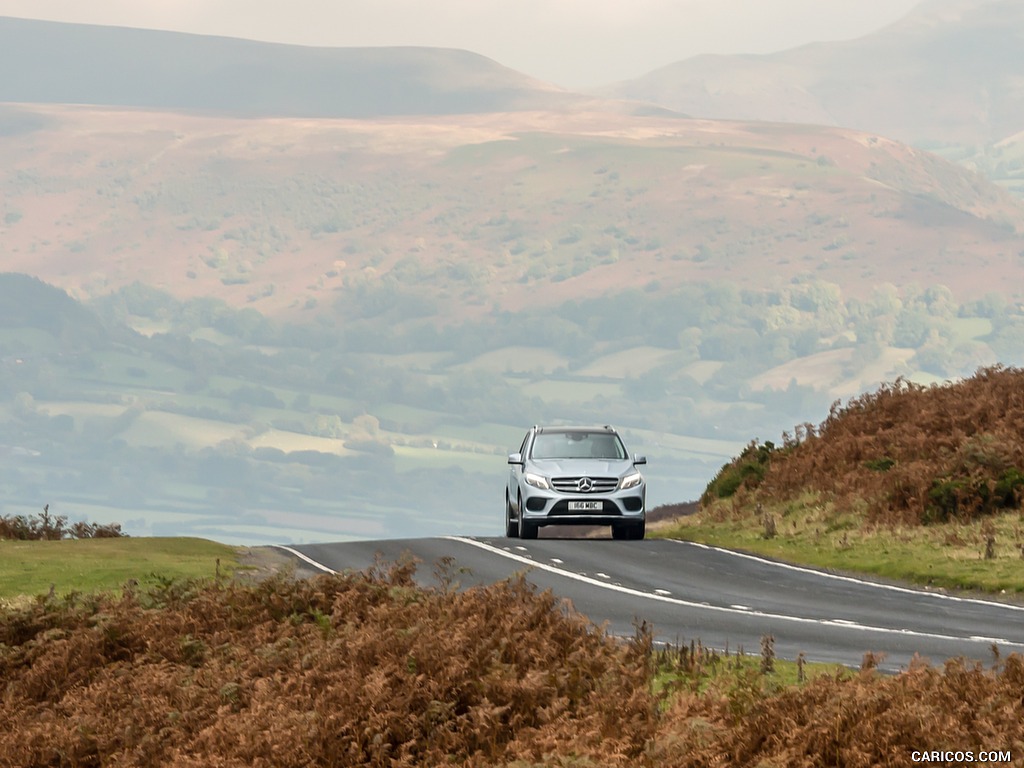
(481, 213)
(114, 66)
(949, 73)
(905, 454)
(28, 303)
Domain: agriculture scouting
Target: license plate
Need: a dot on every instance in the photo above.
(586, 506)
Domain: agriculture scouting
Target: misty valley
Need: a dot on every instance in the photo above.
(193, 418)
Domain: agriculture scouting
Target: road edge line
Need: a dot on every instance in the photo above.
(304, 558)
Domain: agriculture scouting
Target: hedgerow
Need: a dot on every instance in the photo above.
(47, 527)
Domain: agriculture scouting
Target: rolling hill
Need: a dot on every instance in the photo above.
(478, 213)
(950, 72)
(114, 66)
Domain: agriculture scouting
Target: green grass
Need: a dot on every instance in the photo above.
(948, 556)
(670, 444)
(627, 363)
(552, 391)
(101, 565)
(34, 341)
(714, 669)
(515, 359)
(702, 370)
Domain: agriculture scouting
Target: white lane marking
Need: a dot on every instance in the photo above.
(305, 558)
(556, 561)
(715, 608)
(603, 575)
(850, 579)
(521, 549)
(662, 592)
(740, 607)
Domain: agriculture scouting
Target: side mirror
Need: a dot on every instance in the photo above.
(515, 458)
(638, 459)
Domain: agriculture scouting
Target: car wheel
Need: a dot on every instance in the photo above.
(638, 531)
(511, 526)
(620, 532)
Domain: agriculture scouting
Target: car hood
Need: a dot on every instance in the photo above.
(581, 467)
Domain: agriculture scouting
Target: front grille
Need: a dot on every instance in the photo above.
(573, 484)
(561, 509)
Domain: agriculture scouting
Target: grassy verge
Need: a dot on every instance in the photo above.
(100, 565)
(697, 670)
(984, 556)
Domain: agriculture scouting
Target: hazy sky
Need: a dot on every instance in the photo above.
(568, 42)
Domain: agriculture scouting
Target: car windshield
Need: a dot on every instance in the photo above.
(578, 445)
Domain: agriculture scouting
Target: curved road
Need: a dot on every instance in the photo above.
(724, 599)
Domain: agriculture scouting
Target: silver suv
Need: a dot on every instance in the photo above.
(574, 476)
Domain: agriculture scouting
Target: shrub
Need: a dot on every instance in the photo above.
(361, 669)
(745, 471)
(46, 527)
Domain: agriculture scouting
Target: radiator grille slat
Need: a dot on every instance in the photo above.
(579, 484)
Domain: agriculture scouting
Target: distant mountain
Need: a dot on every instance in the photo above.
(951, 72)
(114, 66)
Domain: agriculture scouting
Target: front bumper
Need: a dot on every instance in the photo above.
(551, 508)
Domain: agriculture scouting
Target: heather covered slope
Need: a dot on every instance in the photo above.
(905, 453)
(454, 218)
(370, 670)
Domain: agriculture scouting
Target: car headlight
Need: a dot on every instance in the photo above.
(631, 480)
(537, 481)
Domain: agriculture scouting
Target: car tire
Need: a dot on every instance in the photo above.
(629, 531)
(511, 526)
(527, 530)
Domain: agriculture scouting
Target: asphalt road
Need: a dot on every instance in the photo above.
(724, 599)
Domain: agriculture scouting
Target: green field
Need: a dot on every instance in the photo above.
(97, 565)
(627, 363)
(515, 360)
